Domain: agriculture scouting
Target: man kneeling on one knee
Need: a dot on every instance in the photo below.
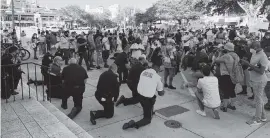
(106, 94)
(208, 92)
(149, 83)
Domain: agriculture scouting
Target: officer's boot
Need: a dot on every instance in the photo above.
(74, 112)
(64, 104)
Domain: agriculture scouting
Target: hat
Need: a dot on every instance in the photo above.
(171, 41)
(229, 46)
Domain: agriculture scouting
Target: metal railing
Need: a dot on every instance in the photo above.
(14, 72)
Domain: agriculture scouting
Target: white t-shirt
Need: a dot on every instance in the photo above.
(64, 43)
(106, 42)
(209, 86)
(149, 83)
(185, 38)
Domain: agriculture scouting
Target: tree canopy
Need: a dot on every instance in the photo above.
(173, 9)
(232, 6)
(75, 13)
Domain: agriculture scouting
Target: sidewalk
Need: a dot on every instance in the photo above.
(231, 125)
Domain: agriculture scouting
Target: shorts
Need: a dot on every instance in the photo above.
(169, 71)
(105, 54)
(227, 87)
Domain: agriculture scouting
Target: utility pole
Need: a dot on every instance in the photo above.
(13, 22)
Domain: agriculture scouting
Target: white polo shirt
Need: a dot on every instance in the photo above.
(149, 83)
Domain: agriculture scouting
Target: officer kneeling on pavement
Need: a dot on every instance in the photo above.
(132, 82)
(74, 77)
(149, 83)
(107, 93)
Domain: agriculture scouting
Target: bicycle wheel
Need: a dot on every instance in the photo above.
(24, 54)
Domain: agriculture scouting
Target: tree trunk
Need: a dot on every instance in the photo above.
(251, 11)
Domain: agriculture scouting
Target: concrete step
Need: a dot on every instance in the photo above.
(70, 124)
(29, 117)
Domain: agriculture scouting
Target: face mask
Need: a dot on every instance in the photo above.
(253, 51)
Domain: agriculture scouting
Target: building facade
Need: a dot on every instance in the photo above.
(25, 12)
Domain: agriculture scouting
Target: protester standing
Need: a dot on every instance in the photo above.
(106, 50)
(42, 44)
(82, 50)
(48, 40)
(64, 46)
(227, 58)
(98, 42)
(122, 65)
(258, 79)
(34, 41)
(10, 74)
(91, 47)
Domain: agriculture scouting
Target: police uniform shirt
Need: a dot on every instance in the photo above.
(74, 75)
(149, 83)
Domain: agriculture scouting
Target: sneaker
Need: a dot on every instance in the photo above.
(89, 69)
(120, 101)
(224, 109)
(92, 118)
(216, 114)
(202, 113)
(130, 124)
(165, 85)
(251, 98)
(263, 119)
(267, 106)
(254, 121)
(171, 87)
(231, 107)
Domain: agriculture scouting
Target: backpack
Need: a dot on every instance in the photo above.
(237, 73)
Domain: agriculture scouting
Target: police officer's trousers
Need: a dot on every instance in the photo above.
(76, 92)
(135, 98)
(108, 106)
(147, 105)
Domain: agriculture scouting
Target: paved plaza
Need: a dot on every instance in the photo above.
(231, 125)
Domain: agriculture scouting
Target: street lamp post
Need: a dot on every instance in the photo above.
(13, 22)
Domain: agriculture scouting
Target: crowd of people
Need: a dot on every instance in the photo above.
(220, 58)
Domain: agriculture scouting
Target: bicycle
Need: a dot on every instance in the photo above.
(24, 54)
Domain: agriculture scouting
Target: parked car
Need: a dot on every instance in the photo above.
(84, 28)
(52, 28)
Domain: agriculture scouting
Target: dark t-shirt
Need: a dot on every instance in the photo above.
(121, 60)
(74, 75)
(135, 72)
(81, 41)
